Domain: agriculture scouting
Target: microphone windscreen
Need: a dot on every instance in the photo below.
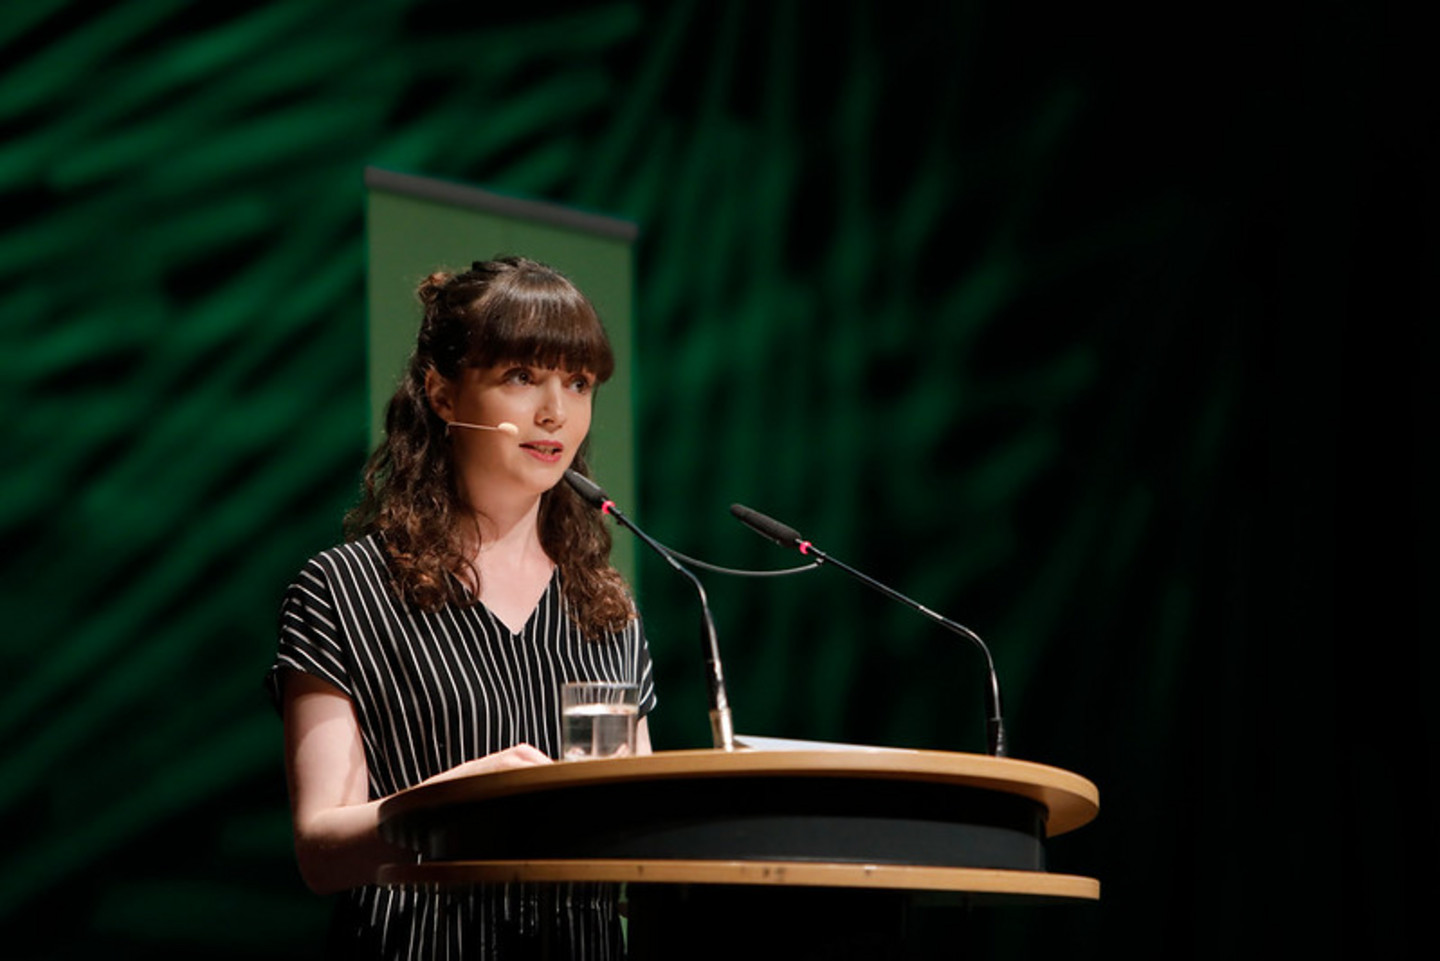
(505, 427)
(767, 527)
(589, 491)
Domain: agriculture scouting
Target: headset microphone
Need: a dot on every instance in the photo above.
(504, 427)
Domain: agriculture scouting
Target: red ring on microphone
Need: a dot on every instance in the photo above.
(805, 547)
(606, 507)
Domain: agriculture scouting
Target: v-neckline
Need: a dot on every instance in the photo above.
(534, 611)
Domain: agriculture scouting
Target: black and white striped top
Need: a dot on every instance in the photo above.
(430, 691)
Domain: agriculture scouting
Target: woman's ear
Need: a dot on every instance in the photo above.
(438, 389)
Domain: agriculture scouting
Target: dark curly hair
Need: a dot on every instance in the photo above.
(506, 310)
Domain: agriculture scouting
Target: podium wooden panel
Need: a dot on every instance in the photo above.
(833, 845)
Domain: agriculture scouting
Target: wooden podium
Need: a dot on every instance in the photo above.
(829, 851)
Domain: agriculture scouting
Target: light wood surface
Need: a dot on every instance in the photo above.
(1069, 800)
(799, 873)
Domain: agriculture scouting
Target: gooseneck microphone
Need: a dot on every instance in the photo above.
(504, 427)
(722, 727)
(788, 537)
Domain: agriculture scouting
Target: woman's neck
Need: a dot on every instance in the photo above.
(510, 563)
(509, 534)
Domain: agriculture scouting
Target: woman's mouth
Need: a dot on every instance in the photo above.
(548, 451)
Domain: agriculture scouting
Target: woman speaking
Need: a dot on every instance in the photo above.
(434, 642)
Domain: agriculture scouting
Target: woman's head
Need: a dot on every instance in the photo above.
(510, 310)
(501, 311)
(481, 331)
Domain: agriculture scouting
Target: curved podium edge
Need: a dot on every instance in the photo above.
(1070, 800)
(1029, 884)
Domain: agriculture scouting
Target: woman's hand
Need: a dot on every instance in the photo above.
(521, 755)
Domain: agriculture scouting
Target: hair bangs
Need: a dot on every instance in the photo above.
(544, 326)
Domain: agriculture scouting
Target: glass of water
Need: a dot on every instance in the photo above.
(599, 719)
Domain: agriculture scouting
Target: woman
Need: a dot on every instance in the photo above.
(433, 643)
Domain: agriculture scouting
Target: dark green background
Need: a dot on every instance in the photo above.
(1082, 324)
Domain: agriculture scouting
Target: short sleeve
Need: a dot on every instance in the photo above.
(644, 671)
(310, 635)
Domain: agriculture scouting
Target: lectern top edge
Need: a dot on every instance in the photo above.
(1070, 800)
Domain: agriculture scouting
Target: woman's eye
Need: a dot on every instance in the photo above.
(518, 375)
(580, 384)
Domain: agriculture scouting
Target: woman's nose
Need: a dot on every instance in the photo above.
(552, 406)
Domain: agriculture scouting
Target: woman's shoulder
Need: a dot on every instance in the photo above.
(364, 557)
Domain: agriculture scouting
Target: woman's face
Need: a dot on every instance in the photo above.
(550, 409)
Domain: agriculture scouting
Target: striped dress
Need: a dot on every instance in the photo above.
(430, 691)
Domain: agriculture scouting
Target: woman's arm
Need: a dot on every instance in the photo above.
(336, 825)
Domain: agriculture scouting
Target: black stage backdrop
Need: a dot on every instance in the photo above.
(1086, 327)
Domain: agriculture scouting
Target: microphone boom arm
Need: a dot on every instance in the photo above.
(722, 725)
(994, 721)
(785, 536)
